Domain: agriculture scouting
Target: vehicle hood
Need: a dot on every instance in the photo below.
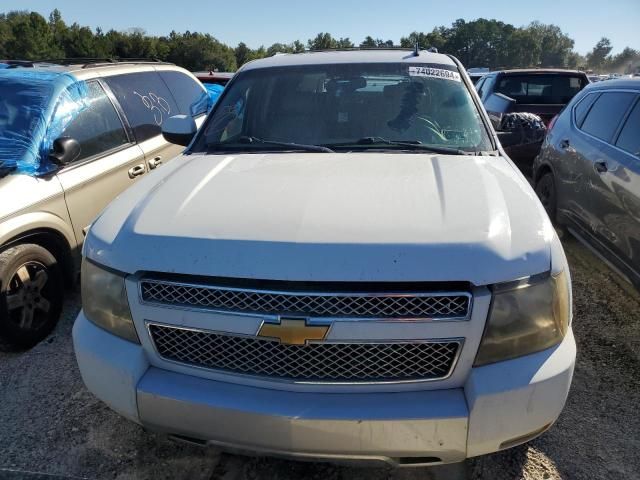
(329, 217)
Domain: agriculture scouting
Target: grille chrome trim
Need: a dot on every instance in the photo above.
(329, 302)
(458, 341)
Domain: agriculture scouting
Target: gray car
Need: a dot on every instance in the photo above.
(588, 172)
(72, 137)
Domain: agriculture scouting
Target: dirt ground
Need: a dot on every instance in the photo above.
(52, 427)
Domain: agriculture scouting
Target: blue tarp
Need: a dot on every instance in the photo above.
(214, 90)
(35, 106)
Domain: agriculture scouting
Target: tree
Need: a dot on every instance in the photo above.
(477, 43)
(370, 42)
(597, 58)
(625, 60)
(31, 37)
(322, 41)
(344, 43)
(554, 46)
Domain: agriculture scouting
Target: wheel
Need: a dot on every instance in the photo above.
(546, 191)
(31, 294)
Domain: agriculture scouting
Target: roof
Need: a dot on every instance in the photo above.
(517, 71)
(323, 57)
(629, 83)
(87, 70)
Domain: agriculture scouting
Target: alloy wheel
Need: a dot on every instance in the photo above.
(27, 306)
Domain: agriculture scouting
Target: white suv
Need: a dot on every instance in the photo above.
(342, 265)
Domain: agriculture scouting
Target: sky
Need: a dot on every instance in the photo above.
(260, 22)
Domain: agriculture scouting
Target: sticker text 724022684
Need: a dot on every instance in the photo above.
(434, 73)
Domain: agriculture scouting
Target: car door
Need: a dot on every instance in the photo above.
(147, 103)
(603, 174)
(571, 154)
(109, 159)
(621, 180)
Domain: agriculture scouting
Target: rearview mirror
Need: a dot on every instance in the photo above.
(64, 150)
(179, 129)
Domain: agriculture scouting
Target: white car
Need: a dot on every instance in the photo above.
(342, 265)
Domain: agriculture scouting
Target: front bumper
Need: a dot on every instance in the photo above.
(500, 405)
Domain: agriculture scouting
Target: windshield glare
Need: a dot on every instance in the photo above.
(354, 106)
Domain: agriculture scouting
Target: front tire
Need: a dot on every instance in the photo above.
(31, 294)
(547, 193)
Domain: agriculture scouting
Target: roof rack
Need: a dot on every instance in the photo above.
(394, 47)
(89, 62)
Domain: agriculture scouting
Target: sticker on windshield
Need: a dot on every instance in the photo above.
(434, 73)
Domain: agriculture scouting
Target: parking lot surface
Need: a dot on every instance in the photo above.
(50, 425)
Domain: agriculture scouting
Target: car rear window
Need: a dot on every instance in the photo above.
(629, 139)
(583, 107)
(606, 113)
(541, 88)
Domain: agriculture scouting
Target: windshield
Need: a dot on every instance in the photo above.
(23, 105)
(346, 106)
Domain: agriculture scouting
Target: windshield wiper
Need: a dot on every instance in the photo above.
(248, 140)
(406, 144)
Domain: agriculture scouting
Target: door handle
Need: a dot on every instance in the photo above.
(154, 162)
(601, 167)
(137, 170)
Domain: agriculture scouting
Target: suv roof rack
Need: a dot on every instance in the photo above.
(413, 48)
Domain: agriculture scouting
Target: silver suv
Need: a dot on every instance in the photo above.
(72, 137)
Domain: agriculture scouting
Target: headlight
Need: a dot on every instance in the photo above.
(525, 317)
(104, 301)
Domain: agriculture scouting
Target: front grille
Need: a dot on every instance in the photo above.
(342, 305)
(323, 362)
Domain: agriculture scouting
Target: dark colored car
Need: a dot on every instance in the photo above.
(588, 172)
(540, 92)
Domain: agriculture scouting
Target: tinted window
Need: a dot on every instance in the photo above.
(190, 95)
(350, 106)
(96, 126)
(583, 107)
(146, 101)
(629, 138)
(541, 89)
(606, 113)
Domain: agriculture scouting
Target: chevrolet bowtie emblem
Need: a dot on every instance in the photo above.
(293, 331)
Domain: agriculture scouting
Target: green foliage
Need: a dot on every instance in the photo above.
(478, 43)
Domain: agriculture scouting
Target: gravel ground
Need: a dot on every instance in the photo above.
(51, 426)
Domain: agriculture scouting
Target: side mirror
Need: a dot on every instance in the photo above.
(179, 129)
(64, 150)
(496, 106)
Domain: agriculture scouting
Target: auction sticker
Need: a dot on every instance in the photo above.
(434, 73)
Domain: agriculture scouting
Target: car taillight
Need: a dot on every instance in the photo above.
(552, 123)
